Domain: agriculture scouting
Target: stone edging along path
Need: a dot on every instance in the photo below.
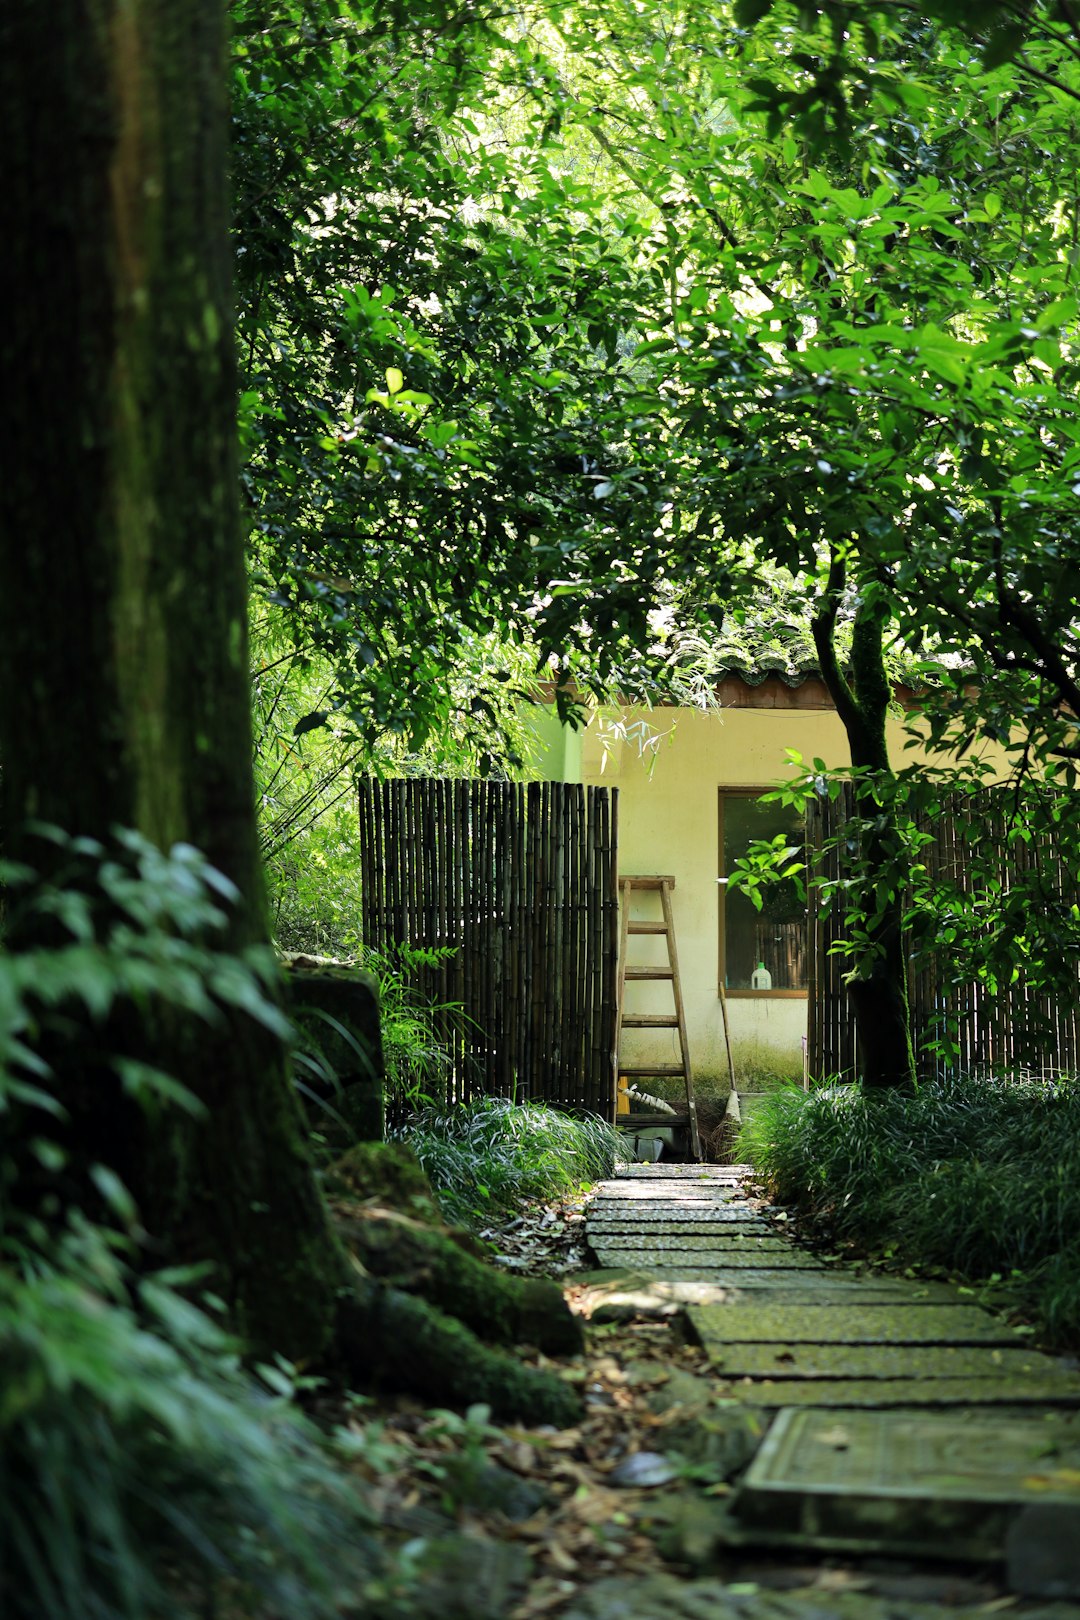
(897, 1417)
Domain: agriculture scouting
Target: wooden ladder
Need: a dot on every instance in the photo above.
(662, 885)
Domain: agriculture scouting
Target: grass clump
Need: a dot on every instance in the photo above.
(486, 1157)
(978, 1177)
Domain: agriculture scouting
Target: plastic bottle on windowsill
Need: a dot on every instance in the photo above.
(761, 978)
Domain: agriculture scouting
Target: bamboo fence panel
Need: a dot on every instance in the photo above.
(504, 900)
(1017, 1028)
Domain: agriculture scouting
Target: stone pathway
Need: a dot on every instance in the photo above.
(898, 1417)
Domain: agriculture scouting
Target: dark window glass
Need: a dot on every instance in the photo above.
(760, 950)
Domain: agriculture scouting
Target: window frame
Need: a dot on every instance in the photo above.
(721, 891)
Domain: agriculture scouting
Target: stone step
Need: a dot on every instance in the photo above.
(722, 1232)
(633, 1252)
(1060, 1389)
(699, 1241)
(923, 1483)
(782, 1361)
(735, 1175)
(648, 1212)
(720, 1326)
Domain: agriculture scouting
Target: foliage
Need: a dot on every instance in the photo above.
(415, 1031)
(621, 315)
(113, 928)
(484, 1158)
(142, 1466)
(415, 304)
(978, 1177)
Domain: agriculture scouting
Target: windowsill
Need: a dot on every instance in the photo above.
(766, 995)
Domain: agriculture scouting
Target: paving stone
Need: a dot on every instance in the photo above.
(918, 1481)
(1062, 1389)
(718, 1239)
(723, 1325)
(634, 1251)
(684, 1192)
(684, 1172)
(879, 1361)
(690, 1212)
(769, 1284)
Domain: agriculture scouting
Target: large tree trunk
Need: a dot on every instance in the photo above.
(877, 981)
(123, 648)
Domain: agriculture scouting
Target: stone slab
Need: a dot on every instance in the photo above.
(695, 1213)
(724, 1325)
(683, 1172)
(1060, 1390)
(613, 1251)
(791, 1286)
(691, 1285)
(913, 1482)
(691, 1236)
(782, 1361)
(646, 1192)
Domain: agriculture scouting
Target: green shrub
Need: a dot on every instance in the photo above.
(484, 1158)
(978, 1177)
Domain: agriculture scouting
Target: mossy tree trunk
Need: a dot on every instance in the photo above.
(124, 693)
(123, 647)
(877, 980)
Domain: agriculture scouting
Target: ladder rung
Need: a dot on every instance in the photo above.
(649, 973)
(650, 1021)
(652, 1068)
(647, 928)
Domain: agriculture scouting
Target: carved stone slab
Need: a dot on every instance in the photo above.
(724, 1325)
(921, 1482)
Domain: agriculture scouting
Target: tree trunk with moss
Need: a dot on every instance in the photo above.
(124, 697)
(123, 644)
(877, 980)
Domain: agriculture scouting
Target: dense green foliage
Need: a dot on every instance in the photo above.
(978, 1178)
(485, 1158)
(142, 1466)
(567, 341)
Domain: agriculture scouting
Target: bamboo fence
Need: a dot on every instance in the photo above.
(515, 888)
(1018, 1029)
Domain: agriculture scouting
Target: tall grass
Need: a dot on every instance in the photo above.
(979, 1177)
(486, 1157)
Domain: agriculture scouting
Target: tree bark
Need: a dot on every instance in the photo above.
(123, 648)
(124, 694)
(877, 981)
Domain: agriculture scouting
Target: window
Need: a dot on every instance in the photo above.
(761, 952)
